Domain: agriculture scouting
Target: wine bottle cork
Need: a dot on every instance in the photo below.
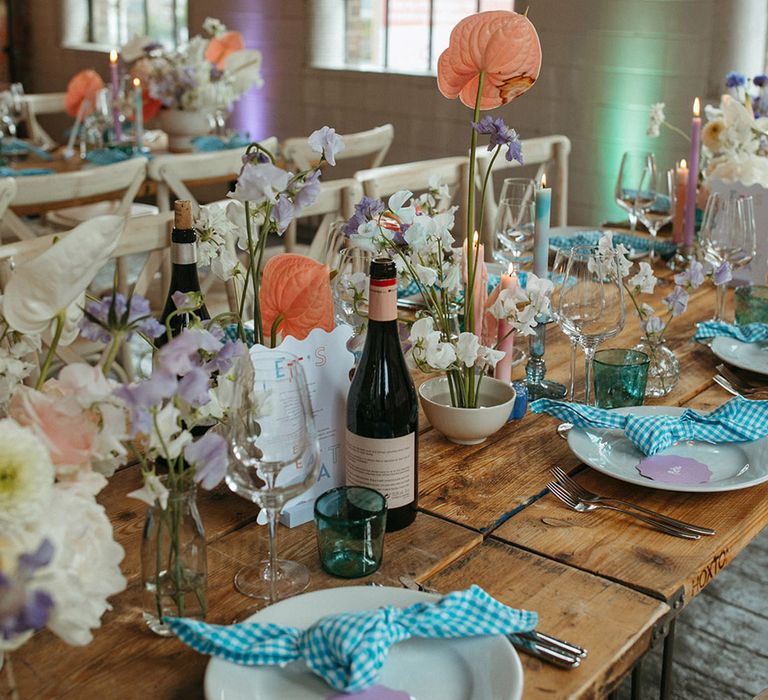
(182, 214)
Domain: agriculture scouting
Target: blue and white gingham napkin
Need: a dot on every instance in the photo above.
(349, 650)
(14, 146)
(739, 420)
(750, 333)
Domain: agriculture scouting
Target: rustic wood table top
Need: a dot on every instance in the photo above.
(599, 580)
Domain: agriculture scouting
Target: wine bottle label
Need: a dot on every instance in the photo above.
(384, 464)
(382, 300)
(183, 253)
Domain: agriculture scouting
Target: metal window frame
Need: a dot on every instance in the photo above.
(175, 4)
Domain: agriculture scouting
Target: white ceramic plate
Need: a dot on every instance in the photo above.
(749, 356)
(734, 465)
(483, 668)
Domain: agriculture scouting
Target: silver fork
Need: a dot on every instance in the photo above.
(583, 494)
(742, 385)
(574, 504)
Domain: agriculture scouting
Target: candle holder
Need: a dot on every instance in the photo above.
(535, 369)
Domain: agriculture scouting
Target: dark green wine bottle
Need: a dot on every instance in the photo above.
(381, 448)
(183, 270)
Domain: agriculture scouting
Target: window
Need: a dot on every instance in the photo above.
(114, 22)
(403, 36)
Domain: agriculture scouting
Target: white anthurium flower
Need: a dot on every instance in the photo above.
(438, 354)
(427, 275)
(644, 281)
(396, 205)
(153, 490)
(44, 286)
(243, 67)
(467, 349)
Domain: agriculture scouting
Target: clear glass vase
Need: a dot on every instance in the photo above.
(663, 370)
(174, 562)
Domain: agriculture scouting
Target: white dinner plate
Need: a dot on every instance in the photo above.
(734, 465)
(480, 668)
(749, 356)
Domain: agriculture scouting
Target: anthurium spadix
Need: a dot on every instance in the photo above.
(43, 288)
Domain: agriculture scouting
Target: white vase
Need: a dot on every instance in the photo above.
(467, 426)
(182, 127)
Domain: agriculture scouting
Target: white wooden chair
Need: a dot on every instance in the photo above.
(550, 154)
(373, 144)
(7, 193)
(382, 182)
(36, 105)
(176, 173)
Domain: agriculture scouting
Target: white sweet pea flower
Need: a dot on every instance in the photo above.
(467, 349)
(243, 70)
(225, 265)
(655, 119)
(152, 491)
(367, 238)
(259, 183)
(647, 310)
(48, 284)
(422, 328)
(427, 276)
(327, 142)
(525, 321)
(443, 227)
(438, 354)
(451, 281)
(489, 356)
(396, 205)
(419, 233)
(644, 281)
(167, 436)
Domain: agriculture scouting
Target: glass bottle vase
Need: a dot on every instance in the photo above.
(663, 370)
(174, 562)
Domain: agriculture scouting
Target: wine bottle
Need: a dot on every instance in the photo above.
(183, 270)
(382, 412)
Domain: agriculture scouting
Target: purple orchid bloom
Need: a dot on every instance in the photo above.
(501, 135)
(23, 609)
(210, 458)
(677, 301)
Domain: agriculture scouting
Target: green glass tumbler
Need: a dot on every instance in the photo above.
(620, 377)
(751, 305)
(350, 523)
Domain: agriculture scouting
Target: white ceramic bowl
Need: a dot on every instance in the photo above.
(467, 426)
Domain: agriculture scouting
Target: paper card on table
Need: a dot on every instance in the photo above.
(327, 363)
(671, 469)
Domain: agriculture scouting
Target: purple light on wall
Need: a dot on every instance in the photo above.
(251, 111)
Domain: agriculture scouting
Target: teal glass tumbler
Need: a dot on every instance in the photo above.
(620, 377)
(350, 523)
(751, 305)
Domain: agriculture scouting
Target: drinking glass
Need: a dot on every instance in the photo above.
(518, 188)
(727, 235)
(559, 267)
(275, 457)
(513, 232)
(662, 209)
(591, 303)
(634, 183)
(349, 289)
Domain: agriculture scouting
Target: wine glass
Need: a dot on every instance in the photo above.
(591, 303)
(350, 294)
(513, 232)
(662, 209)
(634, 183)
(728, 235)
(275, 457)
(518, 188)
(559, 267)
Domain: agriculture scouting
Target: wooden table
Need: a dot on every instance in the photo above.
(600, 580)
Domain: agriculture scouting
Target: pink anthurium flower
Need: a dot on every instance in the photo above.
(501, 44)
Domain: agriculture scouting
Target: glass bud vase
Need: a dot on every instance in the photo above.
(174, 563)
(663, 370)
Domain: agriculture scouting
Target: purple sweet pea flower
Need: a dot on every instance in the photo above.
(653, 325)
(722, 274)
(183, 352)
(501, 135)
(23, 609)
(102, 319)
(760, 80)
(327, 142)
(283, 213)
(308, 192)
(209, 457)
(677, 301)
(693, 275)
(193, 387)
(735, 79)
(365, 210)
(223, 360)
(259, 183)
(182, 300)
(150, 393)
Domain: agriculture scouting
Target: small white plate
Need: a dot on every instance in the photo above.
(480, 668)
(734, 465)
(749, 356)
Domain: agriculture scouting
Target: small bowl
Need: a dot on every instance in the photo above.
(467, 426)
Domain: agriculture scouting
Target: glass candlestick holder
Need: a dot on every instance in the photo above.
(535, 370)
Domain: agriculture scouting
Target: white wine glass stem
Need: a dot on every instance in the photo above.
(720, 303)
(272, 569)
(589, 354)
(572, 383)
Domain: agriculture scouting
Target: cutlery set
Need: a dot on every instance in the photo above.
(740, 386)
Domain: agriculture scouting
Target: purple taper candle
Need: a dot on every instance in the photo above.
(693, 177)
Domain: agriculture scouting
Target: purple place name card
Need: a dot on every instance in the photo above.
(672, 469)
(377, 692)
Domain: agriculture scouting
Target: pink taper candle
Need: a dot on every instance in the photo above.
(115, 96)
(506, 338)
(693, 177)
(480, 286)
(681, 191)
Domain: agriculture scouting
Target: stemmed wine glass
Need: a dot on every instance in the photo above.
(513, 232)
(662, 209)
(275, 457)
(634, 184)
(518, 188)
(349, 289)
(728, 235)
(559, 267)
(591, 303)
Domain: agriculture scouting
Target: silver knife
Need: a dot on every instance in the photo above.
(542, 646)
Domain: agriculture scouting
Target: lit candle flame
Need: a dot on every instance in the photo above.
(544, 180)
(137, 82)
(113, 56)
(683, 163)
(696, 107)
(475, 241)
(511, 270)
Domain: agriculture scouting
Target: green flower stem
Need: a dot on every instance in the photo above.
(60, 320)
(109, 358)
(485, 186)
(677, 130)
(273, 331)
(254, 269)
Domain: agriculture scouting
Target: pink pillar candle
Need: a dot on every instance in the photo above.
(506, 337)
(693, 178)
(480, 284)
